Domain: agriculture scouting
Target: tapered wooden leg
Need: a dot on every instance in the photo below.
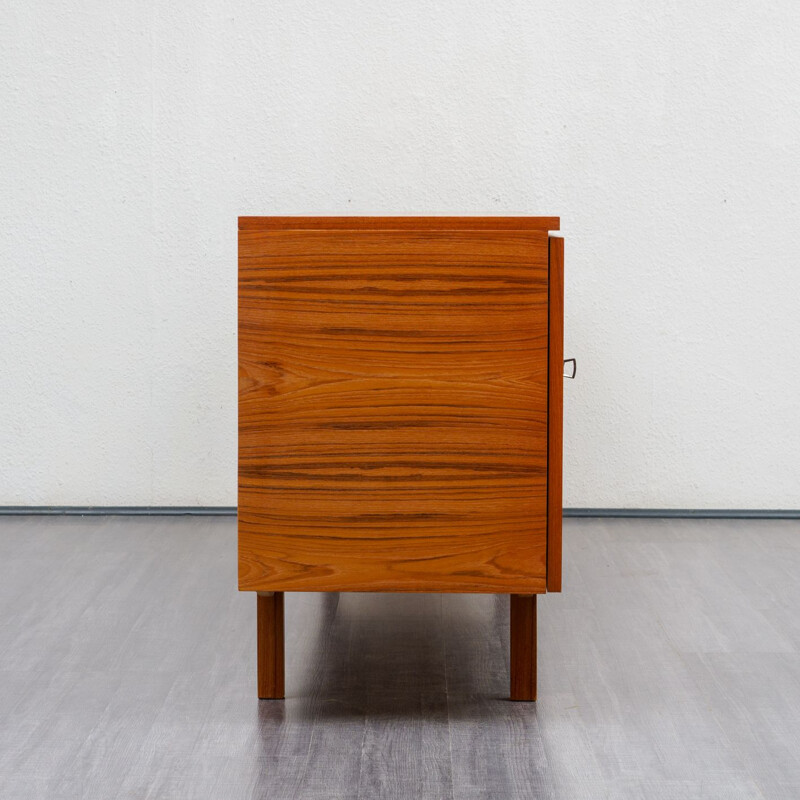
(270, 645)
(523, 646)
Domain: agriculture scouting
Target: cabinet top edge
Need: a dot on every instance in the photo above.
(290, 223)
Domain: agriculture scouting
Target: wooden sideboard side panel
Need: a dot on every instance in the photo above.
(393, 410)
(555, 410)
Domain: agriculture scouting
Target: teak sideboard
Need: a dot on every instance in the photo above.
(400, 414)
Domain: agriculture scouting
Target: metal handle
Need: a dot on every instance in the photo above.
(574, 367)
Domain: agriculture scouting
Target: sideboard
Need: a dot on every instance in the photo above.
(400, 415)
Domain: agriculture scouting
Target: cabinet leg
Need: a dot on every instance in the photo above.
(523, 646)
(270, 645)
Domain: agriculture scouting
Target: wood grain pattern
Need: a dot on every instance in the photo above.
(270, 645)
(393, 410)
(401, 223)
(555, 414)
(523, 647)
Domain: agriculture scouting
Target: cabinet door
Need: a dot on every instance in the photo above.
(393, 409)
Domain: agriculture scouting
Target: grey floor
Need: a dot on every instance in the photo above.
(668, 668)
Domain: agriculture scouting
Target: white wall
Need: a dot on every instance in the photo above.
(664, 134)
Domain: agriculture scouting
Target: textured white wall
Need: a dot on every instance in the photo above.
(665, 135)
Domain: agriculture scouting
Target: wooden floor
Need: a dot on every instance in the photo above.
(668, 668)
